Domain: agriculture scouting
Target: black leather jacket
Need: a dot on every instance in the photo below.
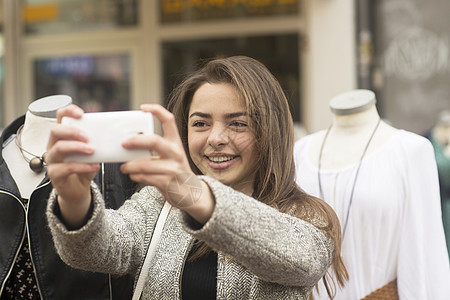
(55, 279)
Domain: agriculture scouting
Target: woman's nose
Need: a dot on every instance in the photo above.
(218, 136)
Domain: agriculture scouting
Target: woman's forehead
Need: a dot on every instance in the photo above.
(217, 97)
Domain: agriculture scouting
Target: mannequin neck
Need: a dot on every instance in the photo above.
(348, 136)
(33, 138)
(35, 133)
(356, 122)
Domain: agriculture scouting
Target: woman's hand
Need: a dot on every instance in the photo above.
(70, 179)
(169, 172)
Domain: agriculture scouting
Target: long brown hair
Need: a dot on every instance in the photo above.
(272, 124)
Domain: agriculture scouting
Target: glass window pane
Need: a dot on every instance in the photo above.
(279, 53)
(47, 16)
(190, 11)
(96, 83)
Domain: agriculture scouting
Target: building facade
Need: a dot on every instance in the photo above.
(117, 54)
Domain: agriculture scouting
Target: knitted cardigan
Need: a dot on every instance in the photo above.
(262, 253)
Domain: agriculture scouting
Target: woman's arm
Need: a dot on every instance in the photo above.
(111, 241)
(169, 172)
(72, 179)
(274, 246)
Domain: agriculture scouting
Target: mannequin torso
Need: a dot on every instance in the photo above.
(389, 200)
(22, 214)
(39, 119)
(349, 134)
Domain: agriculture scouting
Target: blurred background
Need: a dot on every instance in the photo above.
(116, 54)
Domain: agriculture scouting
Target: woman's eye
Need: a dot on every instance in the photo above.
(198, 124)
(239, 124)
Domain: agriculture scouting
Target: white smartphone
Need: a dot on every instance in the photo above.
(107, 130)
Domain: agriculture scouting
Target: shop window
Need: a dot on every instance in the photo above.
(96, 83)
(279, 53)
(173, 11)
(60, 16)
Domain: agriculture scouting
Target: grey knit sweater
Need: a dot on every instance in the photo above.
(262, 253)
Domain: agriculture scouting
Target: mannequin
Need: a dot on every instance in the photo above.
(39, 119)
(382, 183)
(30, 268)
(354, 118)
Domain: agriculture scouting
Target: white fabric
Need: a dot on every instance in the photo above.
(395, 227)
(34, 138)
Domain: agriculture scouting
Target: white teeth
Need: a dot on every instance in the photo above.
(220, 158)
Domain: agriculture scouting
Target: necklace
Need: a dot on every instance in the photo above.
(37, 163)
(356, 175)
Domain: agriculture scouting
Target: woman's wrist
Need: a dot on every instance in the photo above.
(75, 214)
(192, 195)
(203, 208)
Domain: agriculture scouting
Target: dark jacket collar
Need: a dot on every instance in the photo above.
(9, 132)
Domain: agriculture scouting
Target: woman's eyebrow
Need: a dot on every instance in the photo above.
(227, 116)
(235, 115)
(201, 115)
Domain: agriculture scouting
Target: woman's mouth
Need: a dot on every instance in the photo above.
(220, 162)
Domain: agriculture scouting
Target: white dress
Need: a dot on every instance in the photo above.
(395, 228)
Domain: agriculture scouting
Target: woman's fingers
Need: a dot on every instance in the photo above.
(166, 118)
(157, 172)
(65, 132)
(70, 110)
(156, 143)
(61, 132)
(151, 166)
(71, 179)
(65, 140)
(66, 169)
(62, 148)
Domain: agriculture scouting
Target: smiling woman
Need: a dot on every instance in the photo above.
(244, 114)
(240, 227)
(221, 143)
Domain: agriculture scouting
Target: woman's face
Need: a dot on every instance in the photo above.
(220, 141)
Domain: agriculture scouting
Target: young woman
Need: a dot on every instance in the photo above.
(240, 227)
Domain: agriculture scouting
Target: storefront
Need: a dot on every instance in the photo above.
(117, 54)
